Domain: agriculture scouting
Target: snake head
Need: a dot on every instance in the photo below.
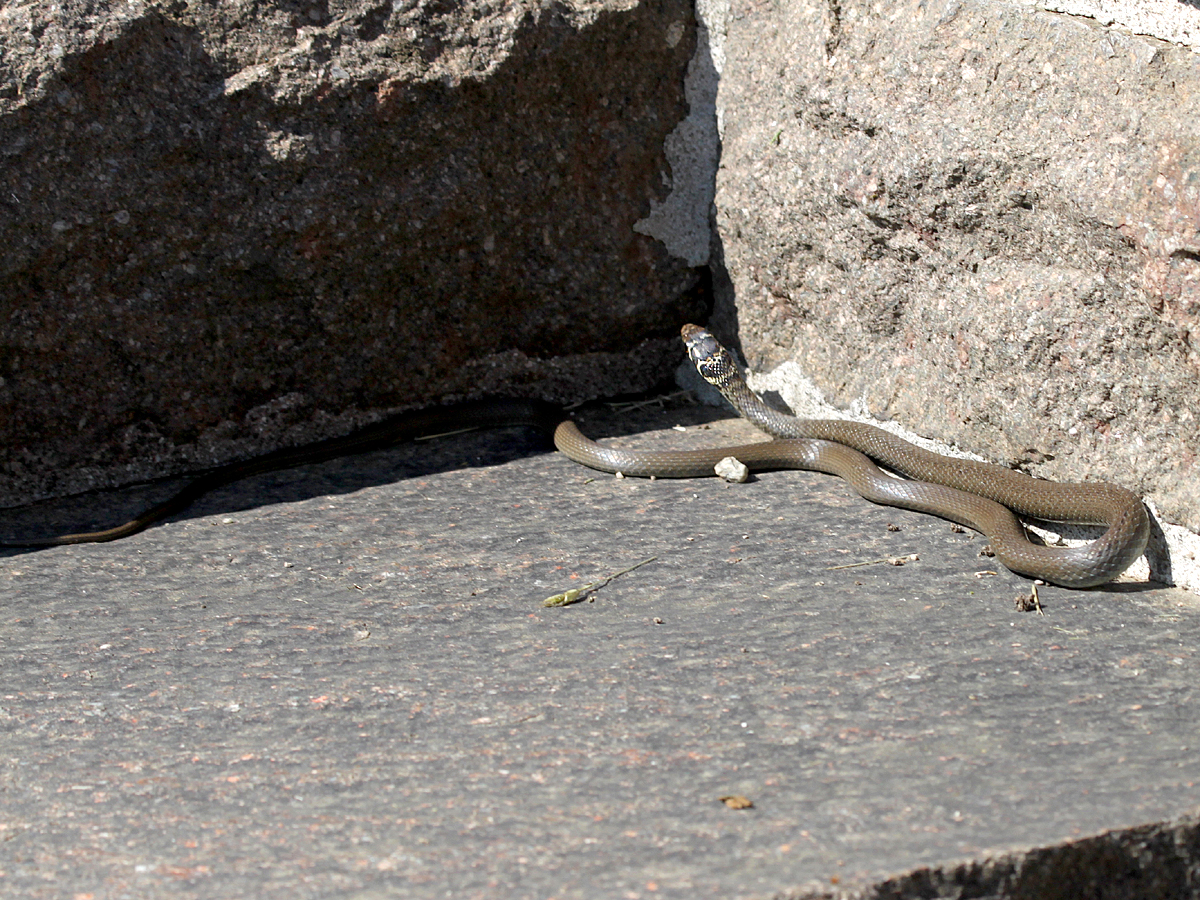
(714, 363)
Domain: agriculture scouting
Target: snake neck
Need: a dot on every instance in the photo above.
(718, 367)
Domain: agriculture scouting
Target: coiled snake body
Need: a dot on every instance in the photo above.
(977, 495)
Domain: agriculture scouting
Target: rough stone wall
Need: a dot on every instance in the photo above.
(979, 217)
(230, 226)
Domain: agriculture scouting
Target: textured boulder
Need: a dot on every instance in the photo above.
(232, 226)
(980, 219)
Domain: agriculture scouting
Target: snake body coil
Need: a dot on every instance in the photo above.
(954, 488)
(977, 495)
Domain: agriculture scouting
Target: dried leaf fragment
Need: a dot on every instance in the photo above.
(737, 801)
(1029, 602)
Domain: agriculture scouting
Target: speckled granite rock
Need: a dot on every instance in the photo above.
(230, 226)
(980, 218)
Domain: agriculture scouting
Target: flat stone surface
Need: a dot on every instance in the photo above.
(341, 681)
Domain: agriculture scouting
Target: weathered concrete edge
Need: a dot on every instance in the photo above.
(1175, 22)
(683, 221)
(1146, 862)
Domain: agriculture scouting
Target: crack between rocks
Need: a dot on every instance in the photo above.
(835, 28)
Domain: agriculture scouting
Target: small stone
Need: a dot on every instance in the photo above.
(732, 470)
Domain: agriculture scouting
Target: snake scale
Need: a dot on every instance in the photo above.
(978, 495)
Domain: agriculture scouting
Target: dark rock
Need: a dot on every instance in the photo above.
(218, 216)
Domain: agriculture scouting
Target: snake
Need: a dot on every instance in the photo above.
(981, 496)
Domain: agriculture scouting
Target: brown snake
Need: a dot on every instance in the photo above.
(979, 495)
(974, 494)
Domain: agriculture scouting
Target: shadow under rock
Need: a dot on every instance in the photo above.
(98, 510)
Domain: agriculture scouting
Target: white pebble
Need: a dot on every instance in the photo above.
(732, 470)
